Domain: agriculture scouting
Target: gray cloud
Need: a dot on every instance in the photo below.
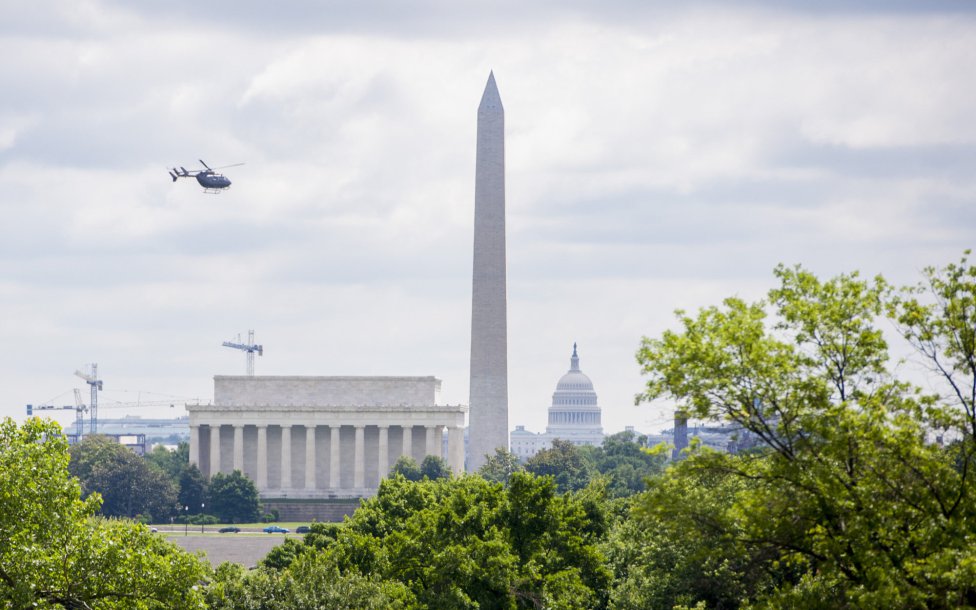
(660, 155)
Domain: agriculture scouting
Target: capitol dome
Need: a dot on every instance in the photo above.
(574, 403)
(575, 380)
(574, 415)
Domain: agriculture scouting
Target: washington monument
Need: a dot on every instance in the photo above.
(488, 399)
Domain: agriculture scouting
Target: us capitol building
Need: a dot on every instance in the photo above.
(574, 415)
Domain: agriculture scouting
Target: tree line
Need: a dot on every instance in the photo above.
(161, 487)
(858, 493)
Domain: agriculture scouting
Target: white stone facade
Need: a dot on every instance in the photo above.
(322, 437)
(489, 330)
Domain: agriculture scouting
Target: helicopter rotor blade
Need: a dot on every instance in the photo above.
(204, 164)
(226, 166)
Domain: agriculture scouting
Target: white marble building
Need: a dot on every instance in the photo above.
(322, 437)
(574, 415)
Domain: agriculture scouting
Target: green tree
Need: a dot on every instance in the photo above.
(847, 493)
(683, 545)
(462, 542)
(233, 498)
(171, 462)
(91, 452)
(936, 318)
(311, 583)
(54, 551)
(406, 467)
(500, 467)
(627, 462)
(566, 463)
(282, 556)
(192, 489)
(128, 485)
(434, 467)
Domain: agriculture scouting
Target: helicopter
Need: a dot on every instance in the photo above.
(209, 179)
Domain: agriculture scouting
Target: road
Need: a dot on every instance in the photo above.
(245, 548)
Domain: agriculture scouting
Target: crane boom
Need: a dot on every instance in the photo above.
(249, 348)
(78, 407)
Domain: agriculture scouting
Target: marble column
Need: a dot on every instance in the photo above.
(359, 466)
(383, 452)
(262, 482)
(309, 457)
(455, 448)
(195, 445)
(439, 435)
(430, 447)
(214, 449)
(334, 457)
(285, 457)
(239, 447)
(407, 449)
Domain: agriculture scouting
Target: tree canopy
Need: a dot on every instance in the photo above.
(406, 467)
(565, 463)
(459, 542)
(128, 484)
(500, 467)
(194, 490)
(171, 462)
(850, 502)
(56, 553)
(233, 498)
(435, 467)
(626, 461)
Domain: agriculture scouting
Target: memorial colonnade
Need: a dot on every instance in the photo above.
(320, 437)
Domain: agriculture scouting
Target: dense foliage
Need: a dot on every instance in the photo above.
(128, 484)
(160, 486)
(233, 498)
(500, 467)
(623, 460)
(850, 502)
(170, 462)
(54, 551)
(455, 543)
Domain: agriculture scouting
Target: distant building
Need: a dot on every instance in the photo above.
(729, 437)
(136, 442)
(167, 431)
(574, 416)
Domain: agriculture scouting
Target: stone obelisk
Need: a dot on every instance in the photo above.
(488, 399)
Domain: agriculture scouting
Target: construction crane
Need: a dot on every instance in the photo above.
(96, 385)
(250, 347)
(78, 407)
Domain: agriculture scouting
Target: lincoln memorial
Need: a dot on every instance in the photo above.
(322, 437)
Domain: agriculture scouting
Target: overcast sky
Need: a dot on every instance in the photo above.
(660, 155)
